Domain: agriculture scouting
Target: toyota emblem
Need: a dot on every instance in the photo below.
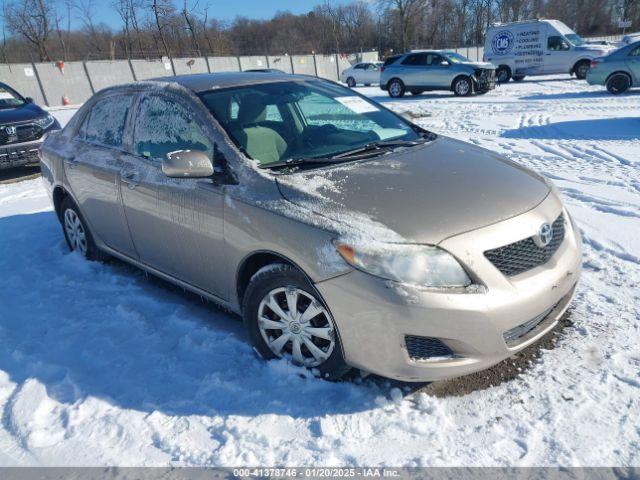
(544, 236)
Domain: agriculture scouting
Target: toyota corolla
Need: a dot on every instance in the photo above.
(345, 236)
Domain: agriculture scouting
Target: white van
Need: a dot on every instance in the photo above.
(538, 47)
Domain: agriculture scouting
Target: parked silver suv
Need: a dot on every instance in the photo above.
(344, 235)
(419, 71)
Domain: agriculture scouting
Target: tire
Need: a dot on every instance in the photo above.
(581, 69)
(395, 87)
(351, 82)
(76, 232)
(416, 92)
(462, 87)
(275, 285)
(518, 78)
(618, 83)
(503, 74)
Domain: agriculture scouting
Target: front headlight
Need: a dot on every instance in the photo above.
(413, 264)
(44, 122)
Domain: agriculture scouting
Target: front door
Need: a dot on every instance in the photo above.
(93, 167)
(558, 54)
(176, 224)
(438, 71)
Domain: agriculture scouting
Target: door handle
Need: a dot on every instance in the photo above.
(131, 178)
(71, 162)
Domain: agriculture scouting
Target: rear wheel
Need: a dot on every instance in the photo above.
(581, 69)
(462, 87)
(395, 88)
(518, 78)
(618, 83)
(503, 74)
(285, 317)
(351, 82)
(76, 232)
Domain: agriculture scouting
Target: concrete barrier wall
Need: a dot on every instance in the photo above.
(186, 66)
(327, 67)
(369, 57)
(47, 84)
(22, 77)
(69, 83)
(223, 64)
(281, 62)
(303, 64)
(252, 62)
(146, 69)
(106, 73)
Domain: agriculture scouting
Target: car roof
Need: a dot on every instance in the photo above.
(202, 82)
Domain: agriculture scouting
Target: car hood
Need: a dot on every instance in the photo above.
(423, 194)
(595, 49)
(480, 65)
(26, 112)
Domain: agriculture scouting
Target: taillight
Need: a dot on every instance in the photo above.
(594, 64)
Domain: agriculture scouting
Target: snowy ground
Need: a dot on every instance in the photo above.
(101, 366)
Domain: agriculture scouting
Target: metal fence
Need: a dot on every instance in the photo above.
(71, 83)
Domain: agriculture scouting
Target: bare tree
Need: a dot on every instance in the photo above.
(32, 20)
(162, 9)
(190, 22)
(406, 12)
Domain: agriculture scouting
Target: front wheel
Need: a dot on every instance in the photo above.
(351, 82)
(76, 232)
(285, 317)
(582, 69)
(396, 88)
(463, 87)
(618, 83)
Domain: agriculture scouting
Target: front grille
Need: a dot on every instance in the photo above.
(24, 133)
(486, 79)
(524, 255)
(426, 348)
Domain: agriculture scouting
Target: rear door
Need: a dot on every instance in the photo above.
(633, 63)
(413, 72)
(176, 223)
(93, 167)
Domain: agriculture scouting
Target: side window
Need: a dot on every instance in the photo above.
(105, 123)
(359, 66)
(164, 126)
(635, 52)
(557, 44)
(435, 60)
(415, 59)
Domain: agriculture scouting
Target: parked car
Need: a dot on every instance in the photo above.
(23, 127)
(619, 71)
(343, 234)
(365, 73)
(629, 39)
(538, 47)
(419, 71)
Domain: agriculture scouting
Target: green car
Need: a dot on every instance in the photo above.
(618, 71)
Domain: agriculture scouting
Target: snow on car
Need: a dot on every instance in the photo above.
(100, 365)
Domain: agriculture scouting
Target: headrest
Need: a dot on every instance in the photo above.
(252, 109)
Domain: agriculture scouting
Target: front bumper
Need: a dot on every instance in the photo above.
(19, 154)
(374, 316)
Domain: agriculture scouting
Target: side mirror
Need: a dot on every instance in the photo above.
(444, 63)
(28, 100)
(187, 164)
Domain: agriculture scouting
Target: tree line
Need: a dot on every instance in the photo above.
(41, 30)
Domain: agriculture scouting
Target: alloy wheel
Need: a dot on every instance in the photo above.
(462, 87)
(75, 231)
(295, 324)
(395, 89)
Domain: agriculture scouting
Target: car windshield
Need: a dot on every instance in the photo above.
(575, 39)
(9, 98)
(456, 57)
(280, 121)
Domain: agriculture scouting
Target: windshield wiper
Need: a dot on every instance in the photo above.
(374, 148)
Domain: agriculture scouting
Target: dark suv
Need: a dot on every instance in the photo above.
(23, 127)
